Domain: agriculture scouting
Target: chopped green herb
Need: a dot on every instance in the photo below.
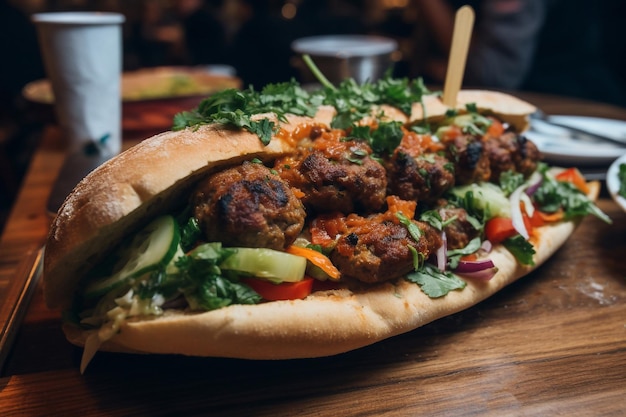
(553, 195)
(205, 287)
(521, 249)
(418, 258)
(435, 283)
(455, 255)
(510, 181)
(383, 140)
(414, 231)
(471, 107)
(433, 218)
(352, 101)
(236, 108)
(189, 233)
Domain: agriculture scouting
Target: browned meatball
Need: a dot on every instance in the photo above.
(471, 162)
(511, 152)
(248, 206)
(459, 232)
(423, 178)
(378, 250)
(343, 179)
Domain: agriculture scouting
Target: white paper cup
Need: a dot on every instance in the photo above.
(82, 53)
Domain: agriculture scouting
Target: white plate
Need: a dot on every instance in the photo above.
(613, 183)
(557, 145)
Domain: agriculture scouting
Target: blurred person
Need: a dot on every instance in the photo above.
(550, 46)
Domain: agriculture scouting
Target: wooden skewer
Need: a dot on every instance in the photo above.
(463, 25)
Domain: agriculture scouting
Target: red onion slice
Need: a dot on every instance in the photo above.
(535, 181)
(483, 275)
(474, 266)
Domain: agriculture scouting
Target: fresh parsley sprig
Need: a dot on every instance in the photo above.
(236, 108)
(355, 101)
(352, 101)
(383, 140)
(435, 283)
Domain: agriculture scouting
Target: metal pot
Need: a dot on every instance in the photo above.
(362, 57)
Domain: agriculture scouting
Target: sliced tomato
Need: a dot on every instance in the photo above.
(537, 220)
(469, 258)
(574, 176)
(283, 291)
(450, 133)
(495, 129)
(498, 229)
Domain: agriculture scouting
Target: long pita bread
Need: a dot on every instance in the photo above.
(148, 180)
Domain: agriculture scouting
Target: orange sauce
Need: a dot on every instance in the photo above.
(396, 205)
(415, 144)
(301, 131)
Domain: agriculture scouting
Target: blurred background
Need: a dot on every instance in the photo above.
(568, 47)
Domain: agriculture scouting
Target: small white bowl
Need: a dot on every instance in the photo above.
(613, 182)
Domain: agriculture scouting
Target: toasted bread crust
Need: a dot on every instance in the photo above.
(508, 108)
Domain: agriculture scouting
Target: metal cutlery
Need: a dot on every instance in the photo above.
(538, 118)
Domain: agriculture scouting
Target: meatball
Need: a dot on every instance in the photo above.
(511, 152)
(350, 182)
(423, 178)
(248, 206)
(470, 160)
(459, 232)
(378, 250)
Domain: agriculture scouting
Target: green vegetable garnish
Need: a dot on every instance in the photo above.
(354, 102)
(455, 255)
(383, 140)
(554, 195)
(236, 108)
(521, 249)
(414, 231)
(202, 282)
(510, 181)
(435, 283)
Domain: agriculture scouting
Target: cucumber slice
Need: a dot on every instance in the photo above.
(488, 198)
(153, 247)
(268, 264)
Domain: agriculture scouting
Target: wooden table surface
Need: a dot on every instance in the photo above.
(553, 343)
